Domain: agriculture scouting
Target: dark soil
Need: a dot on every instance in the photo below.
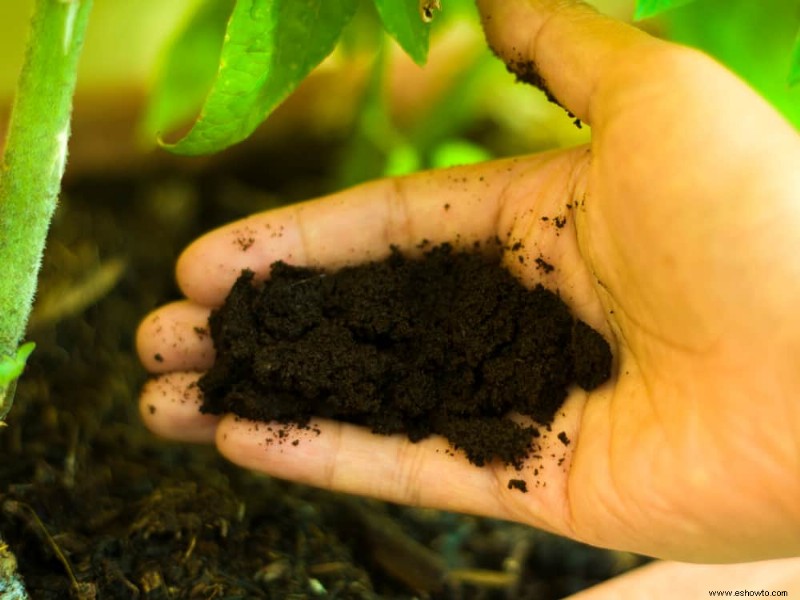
(449, 343)
(94, 505)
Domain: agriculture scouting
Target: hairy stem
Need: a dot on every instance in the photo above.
(33, 164)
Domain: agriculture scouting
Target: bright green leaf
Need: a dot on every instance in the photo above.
(270, 46)
(11, 367)
(794, 68)
(402, 160)
(402, 21)
(188, 68)
(455, 152)
(650, 8)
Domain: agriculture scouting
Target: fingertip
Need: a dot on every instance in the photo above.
(175, 337)
(209, 266)
(203, 276)
(170, 407)
(150, 340)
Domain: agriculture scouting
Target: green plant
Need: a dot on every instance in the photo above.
(269, 47)
(32, 167)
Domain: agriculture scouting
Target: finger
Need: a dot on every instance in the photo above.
(175, 338)
(348, 458)
(461, 205)
(170, 407)
(565, 47)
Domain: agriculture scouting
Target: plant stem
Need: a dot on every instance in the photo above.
(34, 160)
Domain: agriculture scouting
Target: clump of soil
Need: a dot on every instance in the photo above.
(449, 343)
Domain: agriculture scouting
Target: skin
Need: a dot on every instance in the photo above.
(682, 221)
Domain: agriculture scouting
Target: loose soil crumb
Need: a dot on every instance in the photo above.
(518, 484)
(543, 265)
(447, 344)
(526, 71)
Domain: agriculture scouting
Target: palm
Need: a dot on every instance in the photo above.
(673, 272)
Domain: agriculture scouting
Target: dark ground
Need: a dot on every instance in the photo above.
(93, 505)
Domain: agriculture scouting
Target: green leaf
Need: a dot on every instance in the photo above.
(650, 8)
(270, 46)
(11, 367)
(794, 68)
(187, 68)
(451, 153)
(402, 21)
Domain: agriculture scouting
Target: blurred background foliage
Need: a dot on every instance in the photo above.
(754, 39)
(391, 116)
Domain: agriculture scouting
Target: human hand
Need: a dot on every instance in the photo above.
(681, 218)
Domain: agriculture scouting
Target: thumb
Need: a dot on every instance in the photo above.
(564, 47)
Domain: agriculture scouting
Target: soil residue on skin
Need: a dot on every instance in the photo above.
(449, 344)
(526, 71)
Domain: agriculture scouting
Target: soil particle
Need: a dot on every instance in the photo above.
(518, 484)
(543, 265)
(245, 243)
(446, 344)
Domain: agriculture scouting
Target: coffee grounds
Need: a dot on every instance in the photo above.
(449, 343)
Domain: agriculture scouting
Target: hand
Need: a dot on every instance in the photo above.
(682, 224)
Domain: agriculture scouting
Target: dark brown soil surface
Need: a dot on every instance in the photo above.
(93, 505)
(449, 343)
